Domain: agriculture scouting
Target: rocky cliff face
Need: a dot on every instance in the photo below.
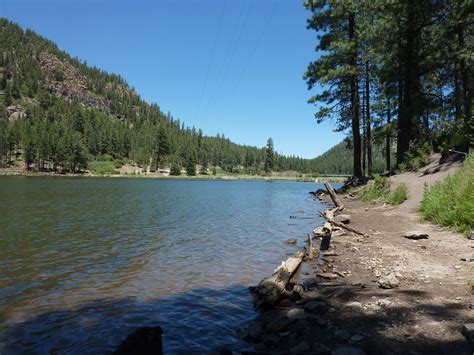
(64, 80)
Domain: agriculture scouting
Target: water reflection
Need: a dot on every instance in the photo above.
(107, 255)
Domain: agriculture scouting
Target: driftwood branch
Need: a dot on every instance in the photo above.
(340, 225)
(333, 195)
(270, 290)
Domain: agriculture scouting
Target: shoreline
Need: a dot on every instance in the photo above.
(333, 179)
(377, 293)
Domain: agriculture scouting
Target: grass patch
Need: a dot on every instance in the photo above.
(450, 202)
(375, 189)
(399, 195)
(378, 191)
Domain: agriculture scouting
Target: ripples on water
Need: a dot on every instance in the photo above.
(85, 261)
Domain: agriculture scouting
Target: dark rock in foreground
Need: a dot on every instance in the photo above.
(143, 341)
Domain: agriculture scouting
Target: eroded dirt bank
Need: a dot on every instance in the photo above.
(382, 293)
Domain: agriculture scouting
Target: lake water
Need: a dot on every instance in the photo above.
(85, 261)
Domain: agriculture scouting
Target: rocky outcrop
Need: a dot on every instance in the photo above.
(15, 113)
(64, 80)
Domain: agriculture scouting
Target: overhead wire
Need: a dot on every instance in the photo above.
(211, 59)
(257, 45)
(213, 100)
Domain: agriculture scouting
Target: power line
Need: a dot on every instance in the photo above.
(210, 60)
(226, 67)
(257, 44)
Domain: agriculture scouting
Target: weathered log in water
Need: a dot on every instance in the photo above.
(333, 195)
(272, 289)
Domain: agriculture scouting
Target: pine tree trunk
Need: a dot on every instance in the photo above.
(457, 95)
(364, 136)
(368, 131)
(401, 138)
(357, 171)
(466, 82)
(407, 110)
(387, 136)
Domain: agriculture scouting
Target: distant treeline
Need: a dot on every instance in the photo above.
(75, 114)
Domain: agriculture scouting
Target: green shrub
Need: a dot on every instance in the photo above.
(190, 168)
(375, 190)
(104, 157)
(450, 202)
(175, 170)
(416, 157)
(378, 190)
(399, 195)
(101, 167)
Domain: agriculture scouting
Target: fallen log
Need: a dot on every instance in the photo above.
(342, 225)
(272, 289)
(333, 195)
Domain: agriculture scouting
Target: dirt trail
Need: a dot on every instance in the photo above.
(423, 314)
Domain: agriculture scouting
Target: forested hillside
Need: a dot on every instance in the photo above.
(58, 113)
(394, 73)
(339, 160)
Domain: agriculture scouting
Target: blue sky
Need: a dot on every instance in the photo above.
(233, 67)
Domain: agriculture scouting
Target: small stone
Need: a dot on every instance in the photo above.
(271, 340)
(471, 286)
(326, 275)
(342, 334)
(260, 347)
(415, 235)
(468, 331)
(357, 337)
(343, 218)
(314, 306)
(254, 330)
(278, 325)
(378, 273)
(301, 347)
(388, 282)
(318, 231)
(296, 292)
(291, 241)
(457, 267)
(384, 303)
(398, 275)
(296, 313)
(347, 351)
(353, 305)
